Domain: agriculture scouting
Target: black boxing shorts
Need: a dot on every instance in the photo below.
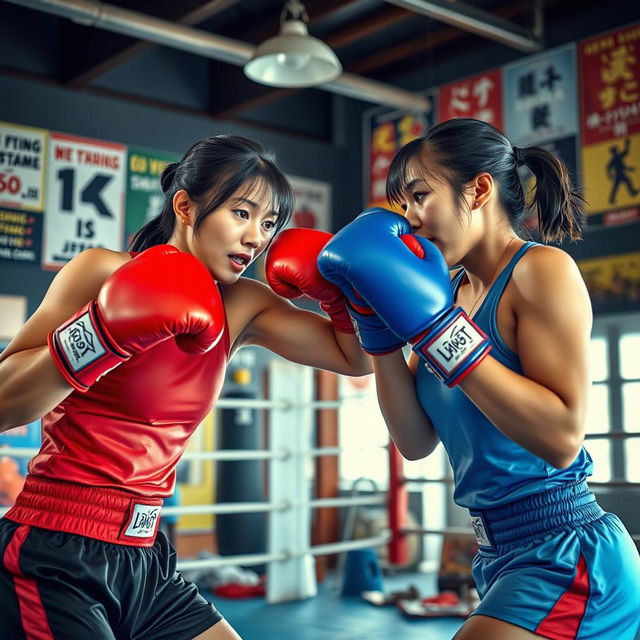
(66, 586)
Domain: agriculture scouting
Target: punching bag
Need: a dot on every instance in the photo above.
(240, 480)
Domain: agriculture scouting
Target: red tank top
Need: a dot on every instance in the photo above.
(132, 426)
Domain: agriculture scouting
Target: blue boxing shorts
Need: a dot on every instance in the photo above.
(57, 584)
(556, 564)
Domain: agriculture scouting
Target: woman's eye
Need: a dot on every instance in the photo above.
(269, 225)
(419, 196)
(241, 213)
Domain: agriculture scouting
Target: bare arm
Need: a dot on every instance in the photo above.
(542, 410)
(263, 318)
(30, 383)
(409, 426)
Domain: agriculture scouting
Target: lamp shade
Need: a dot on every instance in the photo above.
(293, 59)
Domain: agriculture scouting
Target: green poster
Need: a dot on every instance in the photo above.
(144, 194)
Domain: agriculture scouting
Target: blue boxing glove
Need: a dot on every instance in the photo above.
(405, 280)
(374, 335)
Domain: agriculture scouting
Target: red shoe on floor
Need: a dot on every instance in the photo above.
(446, 603)
(238, 591)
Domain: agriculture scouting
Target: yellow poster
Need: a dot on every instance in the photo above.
(611, 174)
(199, 486)
(613, 281)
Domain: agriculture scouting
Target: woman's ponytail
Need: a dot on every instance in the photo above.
(558, 206)
(465, 147)
(159, 229)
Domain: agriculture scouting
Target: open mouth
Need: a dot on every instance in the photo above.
(241, 260)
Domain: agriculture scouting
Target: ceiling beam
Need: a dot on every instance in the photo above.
(470, 18)
(437, 37)
(372, 63)
(209, 45)
(229, 104)
(89, 53)
(365, 28)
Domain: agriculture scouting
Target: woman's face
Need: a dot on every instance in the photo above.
(234, 235)
(434, 213)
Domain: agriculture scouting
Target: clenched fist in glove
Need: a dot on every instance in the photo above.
(405, 280)
(292, 271)
(162, 293)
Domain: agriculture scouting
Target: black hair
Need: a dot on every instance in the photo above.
(460, 149)
(211, 171)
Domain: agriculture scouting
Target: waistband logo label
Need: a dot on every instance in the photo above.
(143, 521)
(480, 531)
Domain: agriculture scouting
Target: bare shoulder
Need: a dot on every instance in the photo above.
(98, 261)
(248, 293)
(545, 274)
(77, 283)
(86, 273)
(244, 301)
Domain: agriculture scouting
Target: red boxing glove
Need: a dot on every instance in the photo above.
(160, 294)
(292, 272)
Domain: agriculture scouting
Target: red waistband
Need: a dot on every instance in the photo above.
(109, 515)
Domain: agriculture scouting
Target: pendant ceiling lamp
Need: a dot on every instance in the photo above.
(293, 58)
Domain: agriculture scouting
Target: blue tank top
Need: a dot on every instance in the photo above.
(489, 469)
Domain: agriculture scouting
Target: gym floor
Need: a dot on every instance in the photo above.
(330, 615)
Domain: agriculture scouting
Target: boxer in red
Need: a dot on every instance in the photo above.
(123, 359)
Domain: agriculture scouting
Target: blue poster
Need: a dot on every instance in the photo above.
(27, 435)
(541, 97)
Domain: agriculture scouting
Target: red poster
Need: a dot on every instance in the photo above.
(383, 148)
(610, 85)
(389, 132)
(478, 96)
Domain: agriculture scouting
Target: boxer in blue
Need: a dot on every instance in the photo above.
(498, 374)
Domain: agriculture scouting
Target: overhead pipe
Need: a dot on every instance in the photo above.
(482, 23)
(145, 27)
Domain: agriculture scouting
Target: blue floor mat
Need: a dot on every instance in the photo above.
(329, 615)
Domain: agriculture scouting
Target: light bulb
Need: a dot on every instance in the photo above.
(293, 61)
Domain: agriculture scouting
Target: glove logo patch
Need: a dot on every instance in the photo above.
(80, 342)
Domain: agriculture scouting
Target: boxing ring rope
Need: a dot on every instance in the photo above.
(262, 558)
(289, 557)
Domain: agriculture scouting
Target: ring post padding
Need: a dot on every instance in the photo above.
(290, 427)
(398, 507)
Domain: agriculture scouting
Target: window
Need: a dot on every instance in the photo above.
(614, 401)
(598, 410)
(364, 436)
(363, 433)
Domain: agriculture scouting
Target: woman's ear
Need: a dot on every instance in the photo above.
(482, 189)
(183, 207)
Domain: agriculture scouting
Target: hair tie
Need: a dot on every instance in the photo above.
(519, 156)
